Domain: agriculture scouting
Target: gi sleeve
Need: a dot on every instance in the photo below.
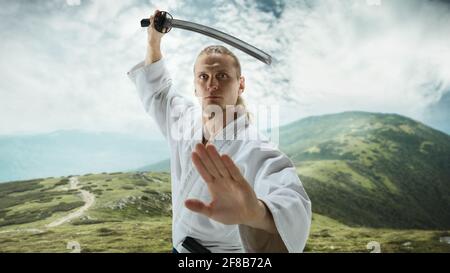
(277, 184)
(160, 101)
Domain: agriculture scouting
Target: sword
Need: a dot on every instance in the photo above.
(164, 22)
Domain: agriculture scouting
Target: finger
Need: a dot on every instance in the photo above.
(204, 173)
(215, 157)
(206, 160)
(152, 17)
(151, 22)
(232, 168)
(198, 206)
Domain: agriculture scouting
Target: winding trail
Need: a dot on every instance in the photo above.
(87, 197)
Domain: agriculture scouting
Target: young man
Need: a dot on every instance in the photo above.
(231, 192)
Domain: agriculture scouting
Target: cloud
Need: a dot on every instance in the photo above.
(352, 56)
(64, 65)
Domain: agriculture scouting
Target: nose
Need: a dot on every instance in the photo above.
(213, 84)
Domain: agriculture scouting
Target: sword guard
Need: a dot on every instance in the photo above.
(162, 22)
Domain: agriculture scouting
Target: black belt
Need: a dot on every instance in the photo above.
(193, 246)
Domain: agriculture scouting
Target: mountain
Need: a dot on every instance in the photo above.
(74, 152)
(372, 178)
(160, 166)
(369, 169)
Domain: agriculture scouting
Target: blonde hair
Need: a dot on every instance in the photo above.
(218, 49)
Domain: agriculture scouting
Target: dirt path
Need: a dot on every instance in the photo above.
(87, 197)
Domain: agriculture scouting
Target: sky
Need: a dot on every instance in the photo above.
(64, 62)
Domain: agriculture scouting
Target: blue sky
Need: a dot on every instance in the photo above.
(63, 63)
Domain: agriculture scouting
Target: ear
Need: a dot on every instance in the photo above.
(241, 85)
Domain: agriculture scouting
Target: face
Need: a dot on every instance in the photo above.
(215, 80)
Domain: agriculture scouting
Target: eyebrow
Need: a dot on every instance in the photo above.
(219, 71)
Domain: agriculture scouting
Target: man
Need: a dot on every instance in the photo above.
(244, 194)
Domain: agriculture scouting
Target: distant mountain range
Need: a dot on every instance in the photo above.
(74, 152)
(160, 166)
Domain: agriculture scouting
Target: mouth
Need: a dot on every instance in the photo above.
(213, 97)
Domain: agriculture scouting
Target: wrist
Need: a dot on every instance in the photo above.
(154, 43)
(263, 219)
(259, 216)
(152, 56)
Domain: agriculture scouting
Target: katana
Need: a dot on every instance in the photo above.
(164, 22)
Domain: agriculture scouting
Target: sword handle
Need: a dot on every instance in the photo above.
(162, 22)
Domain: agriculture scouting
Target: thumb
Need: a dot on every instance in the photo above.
(198, 206)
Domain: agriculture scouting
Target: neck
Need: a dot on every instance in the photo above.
(212, 125)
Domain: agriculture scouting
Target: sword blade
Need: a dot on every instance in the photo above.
(226, 38)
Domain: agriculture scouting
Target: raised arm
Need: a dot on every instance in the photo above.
(153, 43)
(154, 85)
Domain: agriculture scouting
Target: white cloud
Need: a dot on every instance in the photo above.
(64, 66)
(354, 56)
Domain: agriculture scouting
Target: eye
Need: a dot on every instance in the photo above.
(203, 76)
(222, 76)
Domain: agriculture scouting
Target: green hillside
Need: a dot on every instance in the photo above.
(367, 169)
(132, 213)
(372, 178)
(377, 170)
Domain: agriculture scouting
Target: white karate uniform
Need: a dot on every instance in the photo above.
(270, 173)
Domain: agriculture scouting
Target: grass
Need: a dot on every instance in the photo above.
(143, 224)
(129, 236)
(324, 169)
(328, 235)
